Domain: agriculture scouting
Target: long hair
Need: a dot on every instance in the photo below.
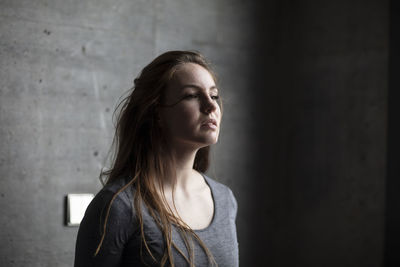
(142, 153)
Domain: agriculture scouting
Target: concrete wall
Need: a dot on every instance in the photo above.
(303, 138)
(64, 66)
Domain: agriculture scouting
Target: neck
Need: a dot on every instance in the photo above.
(183, 157)
(184, 160)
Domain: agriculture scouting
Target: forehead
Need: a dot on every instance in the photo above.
(191, 74)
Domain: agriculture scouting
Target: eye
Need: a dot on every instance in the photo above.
(190, 96)
(215, 97)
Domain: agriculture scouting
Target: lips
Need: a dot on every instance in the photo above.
(211, 122)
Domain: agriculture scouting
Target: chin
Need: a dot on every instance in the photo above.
(209, 141)
(200, 140)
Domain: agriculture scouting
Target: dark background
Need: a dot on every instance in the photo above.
(308, 142)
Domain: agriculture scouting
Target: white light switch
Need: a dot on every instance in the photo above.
(76, 207)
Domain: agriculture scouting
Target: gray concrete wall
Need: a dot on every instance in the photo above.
(64, 66)
(302, 143)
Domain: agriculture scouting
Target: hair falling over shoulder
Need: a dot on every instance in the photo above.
(141, 153)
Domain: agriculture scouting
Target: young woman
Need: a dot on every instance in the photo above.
(158, 208)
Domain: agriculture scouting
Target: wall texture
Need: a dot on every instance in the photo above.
(64, 66)
(302, 145)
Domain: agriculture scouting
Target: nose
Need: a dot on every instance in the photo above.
(208, 105)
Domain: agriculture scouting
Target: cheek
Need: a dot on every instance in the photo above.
(188, 111)
(179, 117)
(188, 114)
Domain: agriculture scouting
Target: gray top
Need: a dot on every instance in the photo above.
(121, 245)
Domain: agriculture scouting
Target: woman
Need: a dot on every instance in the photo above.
(157, 207)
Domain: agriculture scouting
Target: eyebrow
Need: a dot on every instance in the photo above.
(212, 88)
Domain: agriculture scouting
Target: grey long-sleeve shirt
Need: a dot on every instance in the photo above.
(122, 242)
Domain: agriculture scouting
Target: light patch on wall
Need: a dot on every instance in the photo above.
(76, 207)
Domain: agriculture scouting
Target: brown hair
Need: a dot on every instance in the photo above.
(142, 154)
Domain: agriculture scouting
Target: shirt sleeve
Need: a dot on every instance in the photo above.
(234, 205)
(120, 227)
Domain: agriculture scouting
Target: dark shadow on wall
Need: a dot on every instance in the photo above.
(392, 231)
(320, 100)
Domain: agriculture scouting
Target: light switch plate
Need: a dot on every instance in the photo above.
(76, 207)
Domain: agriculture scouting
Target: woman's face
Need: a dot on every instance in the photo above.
(192, 116)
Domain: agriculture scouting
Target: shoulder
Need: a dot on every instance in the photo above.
(121, 199)
(109, 220)
(214, 184)
(222, 193)
(218, 186)
(118, 190)
(113, 203)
